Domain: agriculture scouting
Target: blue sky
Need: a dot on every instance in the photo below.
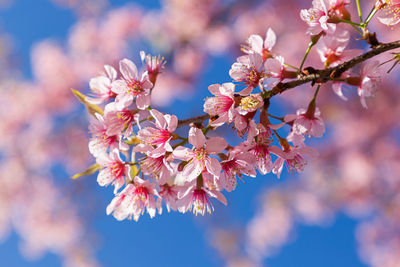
(171, 239)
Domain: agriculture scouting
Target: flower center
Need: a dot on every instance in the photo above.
(134, 87)
(249, 103)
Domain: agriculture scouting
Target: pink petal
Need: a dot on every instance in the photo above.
(182, 153)
(159, 117)
(143, 101)
(192, 170)
(256, 43)
(270, 39)
(215, 145)
(172, 122)
(213, 166)
(128, 69)
(196, 137)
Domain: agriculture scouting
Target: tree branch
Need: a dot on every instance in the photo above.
(320, 76)
(325, 74)
(194, 120)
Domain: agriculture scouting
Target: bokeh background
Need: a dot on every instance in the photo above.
(343, 211)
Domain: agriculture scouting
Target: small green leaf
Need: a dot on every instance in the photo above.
(92, 169)
(90, 107)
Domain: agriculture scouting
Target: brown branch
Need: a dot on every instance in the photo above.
(320, 76)
(324, 75)
(194, 120)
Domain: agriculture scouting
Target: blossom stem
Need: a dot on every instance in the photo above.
(180, 143)
(291, 66)
(350, 22)
(370, 16)
(317, 91)
(359, 10)
(205, 130)
(276, 134)
(355, 25)
(275, 117)
(310, 45)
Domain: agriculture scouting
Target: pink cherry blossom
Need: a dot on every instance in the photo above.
(250, 104)
(101, 86)
(168, 194)
(101, 142)
(331, 49)
(132, 86)
(198, 159)
(119, 121)
(390, 11)
(368, 80)
(305, 123)
(276, 70)
(154, 65)
(238, 163)
(317, 18)
(222, 105)
(258, 143)
(132, 201)
(162, 135)
(248, 70)
(337, 8)
(263, 47)
(155, 163)
(196, 199)
(293, 158)
(114, 171)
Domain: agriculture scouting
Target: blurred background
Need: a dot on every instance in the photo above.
(343, 211)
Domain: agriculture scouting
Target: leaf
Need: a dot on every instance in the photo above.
(92, 169)
(92, 108)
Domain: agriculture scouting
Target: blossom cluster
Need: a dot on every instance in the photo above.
(138, 149)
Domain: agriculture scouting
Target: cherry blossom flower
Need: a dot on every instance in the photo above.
(292, 156)
(238, 163)
(263, 47)
(390, 11)
(155, 164)
(250, 104)
(275, 69)
(248, 70)
(101, 86)
(132, 201)
(258, 143)
(119, 121)
(307, 123)
(296, 139)
(132, 86)
(338, 8)
(222, 105)
(168, 194)
(317, 18)
(367, 82)
(199, 158)
(196, 199)
(162, 135)
(331, 49)
(154, 65)
(101, 142)
(114, 171)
